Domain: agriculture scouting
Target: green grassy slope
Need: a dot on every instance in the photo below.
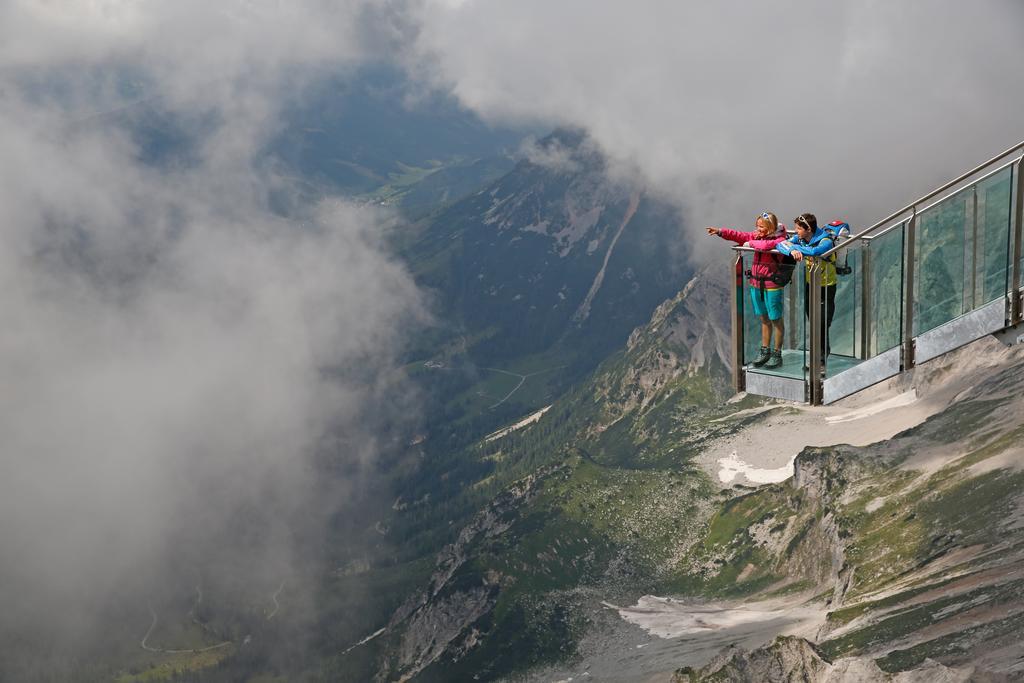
(914, 546)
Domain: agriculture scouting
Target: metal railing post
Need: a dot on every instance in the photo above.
(865, 302)
(814, 320)
(907, 360)
(739, 378)
(973, 274)
(1018, 229)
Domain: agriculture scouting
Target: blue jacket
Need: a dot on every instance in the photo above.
(820, 242)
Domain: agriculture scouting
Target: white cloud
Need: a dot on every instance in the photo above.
(550, 154)
(840, 108)
(176, 354)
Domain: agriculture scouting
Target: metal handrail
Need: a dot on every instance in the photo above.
(981, 179)
(911, 206)
(901, 223)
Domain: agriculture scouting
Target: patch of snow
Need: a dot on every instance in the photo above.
(530, 419)
(365, 640)
(583, 311)
(669, 618)
(577, 226)
(541, 227)
(731, 466)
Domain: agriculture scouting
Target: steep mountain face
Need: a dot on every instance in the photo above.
(912, 549)
(796, 660)
(653, 397)
(440, 619)
(513, 590)
(553, 252)
(902, 558)
(544, 273)
(509, 591)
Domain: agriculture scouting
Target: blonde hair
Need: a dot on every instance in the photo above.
(771, 219)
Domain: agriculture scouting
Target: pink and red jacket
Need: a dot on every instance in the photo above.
(766, 261)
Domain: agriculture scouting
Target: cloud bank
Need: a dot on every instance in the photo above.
(177, 353)
(731, 108)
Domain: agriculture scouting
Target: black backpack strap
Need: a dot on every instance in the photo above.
(760, 283)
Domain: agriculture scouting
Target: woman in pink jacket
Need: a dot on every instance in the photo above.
(765, 292)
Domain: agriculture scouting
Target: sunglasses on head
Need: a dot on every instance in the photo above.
(767, 216)
(800, 220)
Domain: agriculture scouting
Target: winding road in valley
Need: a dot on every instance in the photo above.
(522, 379)
(150, 648)
(144, 643)
(273, 597)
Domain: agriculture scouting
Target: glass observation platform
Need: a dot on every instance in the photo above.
(937, 274)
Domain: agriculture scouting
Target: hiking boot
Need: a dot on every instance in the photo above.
(763, 356)
(775, 361)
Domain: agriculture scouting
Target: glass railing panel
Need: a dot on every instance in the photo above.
(866, 330)
(786, 305)
(795, 311)
(992, 241)
(751, 321)
(884, 278)
(844, 335)
(942, 259)
(794, 352)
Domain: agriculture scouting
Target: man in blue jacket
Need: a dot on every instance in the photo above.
(810, 243)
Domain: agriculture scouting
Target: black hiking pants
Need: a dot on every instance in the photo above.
(828, 310)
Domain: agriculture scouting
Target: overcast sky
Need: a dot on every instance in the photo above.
(165, 332)
(851, 109)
